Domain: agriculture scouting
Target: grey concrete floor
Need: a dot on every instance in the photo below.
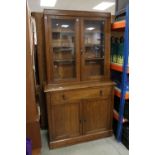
(105, 146)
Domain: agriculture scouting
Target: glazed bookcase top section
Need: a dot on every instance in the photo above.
(76, 13)
(77, 46)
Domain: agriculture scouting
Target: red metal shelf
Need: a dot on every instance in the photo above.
(118, 25)
(116, 116)
(118, 93)
(117, 67)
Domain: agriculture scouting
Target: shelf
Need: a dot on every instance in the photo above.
(63, 46)
(64, 60)
(67, 61)
(118, 25)
(117, 92)
(89, 59)
(65, 79)
(63, 32)
(89, 32)
(92, 45)
(116, 116)
(65, 49)
(117, 67)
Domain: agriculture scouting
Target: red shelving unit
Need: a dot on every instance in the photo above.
(118, 93)
(116, 116)
(117, 67)
(118, 25)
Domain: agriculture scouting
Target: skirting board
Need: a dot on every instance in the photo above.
(76, 140)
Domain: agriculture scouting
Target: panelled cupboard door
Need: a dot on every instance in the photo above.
(63, 54)
(95, 115)
(93, 48)
(65, 120)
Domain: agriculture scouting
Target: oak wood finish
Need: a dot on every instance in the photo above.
(81, 68)
(95, 115)
(79, 109)
(31, 110)
(36, 152)
(77, 60)
(76, 140)
(74, 113)
(39, 18)
(85, 69)
(65, 120)
(32, 118)
(76, 13)
(78, 94)
(78, 85)
(33, 132)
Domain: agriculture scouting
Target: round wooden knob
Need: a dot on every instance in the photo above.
(63, 96)
(101, 93)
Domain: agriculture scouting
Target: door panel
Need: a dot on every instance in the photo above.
(64, 43)
(65, 120)
(93, 48)
(95, 115)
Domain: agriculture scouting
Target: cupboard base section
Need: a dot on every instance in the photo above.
(79, 139)
(79, 112)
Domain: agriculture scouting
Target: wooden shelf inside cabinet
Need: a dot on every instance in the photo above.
(92, 45)
(94, 59)
(117, 67)
(64, 61)
(118, 93)
(116, 116)
(63, 46)
(90, 32)
(64, 49)
(55, 31)
(118, 25)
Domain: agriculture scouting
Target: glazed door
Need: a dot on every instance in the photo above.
(65, 120)
(63, 49)
(93, 48)
(95, 115)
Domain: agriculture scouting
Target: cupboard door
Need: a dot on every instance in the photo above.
(65, 120)
(95, 115)
(93, 48)
(64, 47)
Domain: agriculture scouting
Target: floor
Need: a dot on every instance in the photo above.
(105, 146)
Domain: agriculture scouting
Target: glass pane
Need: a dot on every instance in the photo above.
(64, 52)
(94, 67)
(94, 47)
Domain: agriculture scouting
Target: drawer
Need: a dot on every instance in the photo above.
(78, 94)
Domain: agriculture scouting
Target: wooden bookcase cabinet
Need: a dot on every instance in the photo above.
(78, 89)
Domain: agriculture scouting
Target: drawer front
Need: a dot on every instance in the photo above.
(87, 93)
(71, 95)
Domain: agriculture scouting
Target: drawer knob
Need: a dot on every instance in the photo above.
(63, 96)
(101, 93)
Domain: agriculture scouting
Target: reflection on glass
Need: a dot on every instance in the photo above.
(94, 47)
(63, 43)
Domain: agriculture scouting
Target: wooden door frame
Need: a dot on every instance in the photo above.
(106, 66)
(49, 52)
